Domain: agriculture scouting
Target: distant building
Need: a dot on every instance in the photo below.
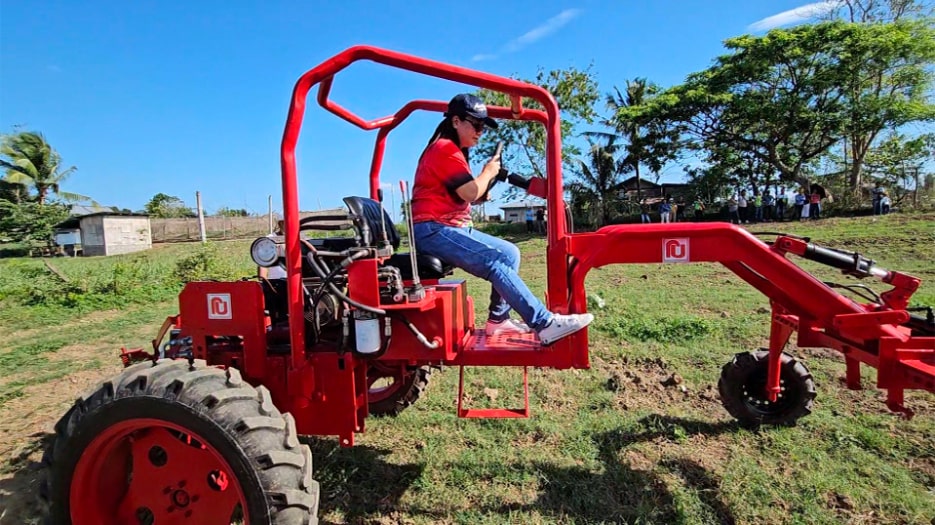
(104, 232)
(653, 192)
(516, 211)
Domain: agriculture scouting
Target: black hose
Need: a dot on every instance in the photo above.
(378, 311)
(322, 275)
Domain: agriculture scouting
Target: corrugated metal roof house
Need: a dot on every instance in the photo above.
(107, 232)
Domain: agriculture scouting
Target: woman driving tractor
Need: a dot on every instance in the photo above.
(443, 191)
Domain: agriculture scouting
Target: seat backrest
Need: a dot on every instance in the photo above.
(369, 212)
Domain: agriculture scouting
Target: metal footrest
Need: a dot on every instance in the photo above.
(493, 413)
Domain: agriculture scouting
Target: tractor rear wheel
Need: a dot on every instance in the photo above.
(743, 390)
(393, 387)
(172, 442)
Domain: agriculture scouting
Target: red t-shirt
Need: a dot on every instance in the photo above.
(442, 170)
(815, 198)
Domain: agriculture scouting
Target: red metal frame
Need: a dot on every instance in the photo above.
(326, 389)
(324, 74)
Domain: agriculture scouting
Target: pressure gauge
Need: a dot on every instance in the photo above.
(265, 252)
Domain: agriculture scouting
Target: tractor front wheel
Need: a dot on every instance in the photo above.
(743, 390)
(172, 442)
(393, 387)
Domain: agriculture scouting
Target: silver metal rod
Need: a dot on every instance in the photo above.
(404, 186)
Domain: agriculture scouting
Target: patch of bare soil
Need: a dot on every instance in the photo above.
(651, 381)
(26, 426)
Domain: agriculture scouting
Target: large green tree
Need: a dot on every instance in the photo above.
(164, 206)
(897, 161)
(32, 162)
(574, 90)
(785, 98)
(889, 67)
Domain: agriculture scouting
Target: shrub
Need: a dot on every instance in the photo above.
(204, 264)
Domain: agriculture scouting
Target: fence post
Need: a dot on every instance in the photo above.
(201, 216)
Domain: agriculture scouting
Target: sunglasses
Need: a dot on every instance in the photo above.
(478, 126)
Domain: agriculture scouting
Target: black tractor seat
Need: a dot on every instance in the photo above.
(430, 267)
(369, 219)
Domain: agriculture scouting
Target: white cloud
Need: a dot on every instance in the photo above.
(534, 35)
(794, 16)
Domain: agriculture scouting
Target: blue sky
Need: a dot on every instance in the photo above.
(176, 97)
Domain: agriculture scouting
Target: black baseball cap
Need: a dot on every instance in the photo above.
(469, 105)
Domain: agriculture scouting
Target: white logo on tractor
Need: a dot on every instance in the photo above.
(219, 306)
(675, 251)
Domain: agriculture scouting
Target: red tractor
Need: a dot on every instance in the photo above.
(204, 429)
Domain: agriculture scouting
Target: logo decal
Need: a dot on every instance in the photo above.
(219, 306)
(675, 251)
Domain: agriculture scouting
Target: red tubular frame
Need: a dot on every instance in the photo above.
(870, 333)
(324, 74)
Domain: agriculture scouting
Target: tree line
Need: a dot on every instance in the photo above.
(32, 201)
(843, 102)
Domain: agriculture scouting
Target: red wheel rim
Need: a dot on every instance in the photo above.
(381, 371)
(148, 471)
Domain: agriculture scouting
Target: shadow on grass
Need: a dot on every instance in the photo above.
(624, 491)
(19, 502)
(655, 426)
(357, 481)
(360, 484)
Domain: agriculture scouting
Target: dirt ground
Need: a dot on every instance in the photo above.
(26, 426)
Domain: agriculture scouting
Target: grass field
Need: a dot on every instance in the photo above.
(612, 444)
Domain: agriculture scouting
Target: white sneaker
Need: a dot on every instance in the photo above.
(563, 325)
(507, 326)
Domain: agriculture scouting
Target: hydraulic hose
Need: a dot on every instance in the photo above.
(378, 311)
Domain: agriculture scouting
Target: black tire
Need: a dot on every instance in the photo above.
(743, 383)
(405, 390)
(239, 422)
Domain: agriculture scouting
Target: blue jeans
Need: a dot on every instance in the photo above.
(489, 258)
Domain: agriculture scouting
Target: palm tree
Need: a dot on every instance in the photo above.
(598, 180)
(635, 95)
(31, 162)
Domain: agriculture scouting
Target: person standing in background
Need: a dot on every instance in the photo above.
(732, 214)
(814, 206)
(665, 208)
(799, 204)
(781, 202)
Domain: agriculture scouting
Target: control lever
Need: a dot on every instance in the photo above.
(417, 293)
(386, 240)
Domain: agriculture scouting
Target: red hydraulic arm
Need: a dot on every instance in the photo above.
(865, 333)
